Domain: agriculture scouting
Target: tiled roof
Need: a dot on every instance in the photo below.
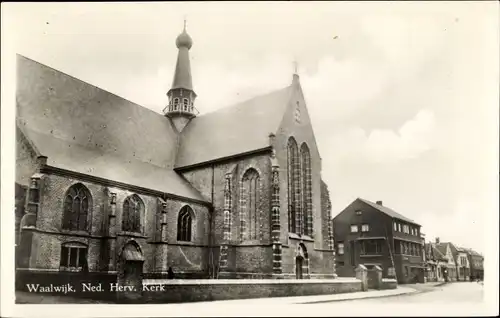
(438, 254)
(442, 247)
(388, 211)
(82, 128)
(472, 252)
(73, 157)
(229, 131)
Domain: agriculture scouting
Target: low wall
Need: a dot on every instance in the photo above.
(389, 283)
(103, 286)
(65, 283)
(175, 291)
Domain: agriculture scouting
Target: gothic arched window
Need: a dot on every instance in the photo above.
(77, 206)
(184, 224)
(133, 209)
(294, 187)
(249, 194)
(305, 157)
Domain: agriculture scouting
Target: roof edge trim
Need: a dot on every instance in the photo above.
(223, 159)
(63, 172)
(21, 133)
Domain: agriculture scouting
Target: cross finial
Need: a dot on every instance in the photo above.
(185, 21)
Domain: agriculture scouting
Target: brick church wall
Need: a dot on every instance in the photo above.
(49, 235)
(321, 259)
(248, 256)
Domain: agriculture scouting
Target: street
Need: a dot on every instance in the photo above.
(458, 292)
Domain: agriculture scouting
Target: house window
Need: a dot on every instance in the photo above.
(365, 228)
(306, 189)
(340, 248)
(77, 206)
(73, 257)
(184, 224)
(406, 229)
(371, 247)
(294, 188)
(395, 226)
(399, 227)
(133, 209)
(249, 194)
(354, 228)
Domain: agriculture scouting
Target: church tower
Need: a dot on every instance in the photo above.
(181, 96)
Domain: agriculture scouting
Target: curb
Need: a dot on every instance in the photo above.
(360, 298)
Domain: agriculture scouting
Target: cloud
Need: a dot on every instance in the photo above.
(387, 146)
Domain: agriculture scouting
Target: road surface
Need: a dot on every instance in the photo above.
(458, 292)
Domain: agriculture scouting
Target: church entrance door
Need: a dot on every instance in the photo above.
(130, 272)
(299, 261)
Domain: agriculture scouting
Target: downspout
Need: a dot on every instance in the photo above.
(212, 218)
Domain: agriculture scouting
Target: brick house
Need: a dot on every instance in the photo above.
(113, 186)
(476, 261)
(371, 234)
(436, 263)
(463, 265)
(447, 249)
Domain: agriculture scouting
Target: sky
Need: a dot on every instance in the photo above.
(403, 96)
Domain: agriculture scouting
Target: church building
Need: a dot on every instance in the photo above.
(107, 187)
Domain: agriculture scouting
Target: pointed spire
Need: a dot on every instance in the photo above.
(182, 76)
(295, 79)
(181, 95)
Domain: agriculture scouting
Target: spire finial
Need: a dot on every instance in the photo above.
(295, 66)
(185, 22)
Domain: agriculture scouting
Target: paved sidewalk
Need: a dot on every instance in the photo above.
(27, 298)
(304, 299)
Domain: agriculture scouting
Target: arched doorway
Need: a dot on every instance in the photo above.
(301, 262)
(130, 271)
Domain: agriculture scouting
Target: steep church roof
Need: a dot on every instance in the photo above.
(229, 131)
(85, 129)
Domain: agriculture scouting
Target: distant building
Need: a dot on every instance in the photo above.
(371, 234)
(476, 261)
(463, 264)
(448, 250)
(436, 263)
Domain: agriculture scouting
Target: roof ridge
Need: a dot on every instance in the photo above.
(87, 83)
(381, 208)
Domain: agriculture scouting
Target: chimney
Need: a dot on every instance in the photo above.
(437, 240)
(379, 202)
